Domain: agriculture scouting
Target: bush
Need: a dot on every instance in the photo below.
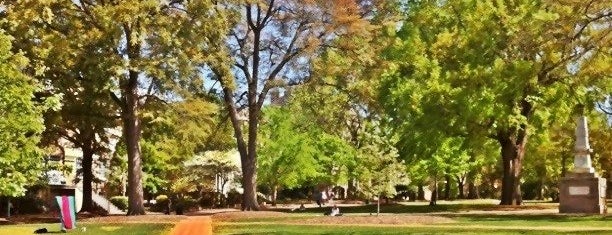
(185, 204)
(161, 199)
(120, 202)
(207, 200)
(161, 203)
(234, 198)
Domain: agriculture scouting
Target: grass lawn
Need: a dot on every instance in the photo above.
(423, 207)
(334, 229)
(92, 229)
(464, 224)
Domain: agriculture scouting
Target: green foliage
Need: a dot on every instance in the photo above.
(161, 198)
(378, 168)
(161, 45)
(295, 152)
(200, 171)
(186, 204)
(20, 123)
(117, 172)
(286, 158)
(120, 202)
(600, 136)
(489, 69)
(172, 134)
(335, 157)
(161, 203)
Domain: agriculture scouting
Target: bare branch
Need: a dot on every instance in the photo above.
(606, 110)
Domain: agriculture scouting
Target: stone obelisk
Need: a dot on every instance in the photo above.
(582, 190)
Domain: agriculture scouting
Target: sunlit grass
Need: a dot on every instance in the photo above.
(91, 229)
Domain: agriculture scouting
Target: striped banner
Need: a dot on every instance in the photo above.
(67, 211)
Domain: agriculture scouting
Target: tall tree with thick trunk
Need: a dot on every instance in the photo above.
(80, 76)
(494, 81)
(272, 46)
(161, 43)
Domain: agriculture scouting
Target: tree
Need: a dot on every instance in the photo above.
(378, 168)
(287, 156)
(21, 123)
(600, 137)
(172, 134)
(81, 76)
(158, 43)
(467, 59)
(271, 46)
(88, 113)
(212, 170)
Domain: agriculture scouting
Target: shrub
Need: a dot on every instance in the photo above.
(234, 197)
(120, 202)
(161, 199)
(185, 204)
(207, 200)
(161, 203)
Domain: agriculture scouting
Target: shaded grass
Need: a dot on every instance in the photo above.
(535, 220)
(422, 208)
(464, 224)
(91, 229)
(319, 229)
(479, 219)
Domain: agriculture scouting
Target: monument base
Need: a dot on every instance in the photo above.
(582, 193)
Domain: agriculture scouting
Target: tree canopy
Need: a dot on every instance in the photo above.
(366, 95)
(21, 123)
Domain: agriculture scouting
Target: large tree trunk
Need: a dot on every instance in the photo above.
(249, 164)
(434, 194)
(447, 187)
(512, 153)
(513, 142)
(472, 187)
(249, 196)
(86, 165)
(420, 192)
(472, 190)
(131, 128)
(131, 125)
(351, 189)
(249, 183)
(274, 194)
(460, 185)
(540, 192)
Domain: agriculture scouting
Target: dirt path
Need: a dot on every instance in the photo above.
(197, 225)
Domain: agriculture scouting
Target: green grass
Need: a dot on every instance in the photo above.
(536, 220)
(332, 229)
(91, 229)
(422, 208)
(464, 224)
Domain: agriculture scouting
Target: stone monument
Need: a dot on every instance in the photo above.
(582, 190)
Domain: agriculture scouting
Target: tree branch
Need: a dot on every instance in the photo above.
(119, 101)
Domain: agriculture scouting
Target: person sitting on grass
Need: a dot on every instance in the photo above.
(335, 211)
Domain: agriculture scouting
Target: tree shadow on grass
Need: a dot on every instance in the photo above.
(401, 208)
